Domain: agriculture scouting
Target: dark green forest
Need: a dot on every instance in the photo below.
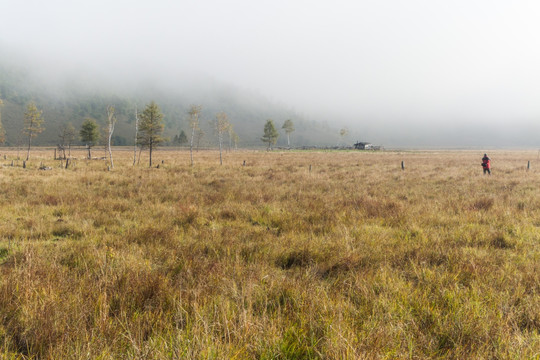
(73, 99)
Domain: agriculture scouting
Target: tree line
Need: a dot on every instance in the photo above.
(148, 131)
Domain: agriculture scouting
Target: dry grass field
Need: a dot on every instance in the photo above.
(351, 259)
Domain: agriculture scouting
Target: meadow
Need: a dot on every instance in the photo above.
(294, 255)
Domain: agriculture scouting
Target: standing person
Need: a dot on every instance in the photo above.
(486, 164)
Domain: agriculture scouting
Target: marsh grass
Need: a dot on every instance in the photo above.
(353, 259)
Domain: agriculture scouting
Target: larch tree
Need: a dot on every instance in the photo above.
(89, 134)
(288, 126)
(221, 126)
(194, 112)
(270, 135)
(151, 128)
(33, 121)
(111, 117)
(2, 130)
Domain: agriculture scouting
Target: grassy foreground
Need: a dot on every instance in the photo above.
(353, 259)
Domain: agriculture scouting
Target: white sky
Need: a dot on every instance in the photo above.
(393, 60)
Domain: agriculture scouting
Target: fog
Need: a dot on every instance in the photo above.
(459, 73)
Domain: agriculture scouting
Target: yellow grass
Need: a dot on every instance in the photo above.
(355, 259)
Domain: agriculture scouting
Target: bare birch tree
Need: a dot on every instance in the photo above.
(221, 126)
(289, 128)
(231, 134)
(194, 112)
(33, 119)
(112, 121)
(136, 136)
(235, 140)
(67, 135)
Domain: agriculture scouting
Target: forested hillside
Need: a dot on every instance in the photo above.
(72, 99)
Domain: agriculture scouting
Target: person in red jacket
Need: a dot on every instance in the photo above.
(486, 164)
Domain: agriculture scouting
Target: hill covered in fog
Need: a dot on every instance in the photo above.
(74, 95)
(71, 94)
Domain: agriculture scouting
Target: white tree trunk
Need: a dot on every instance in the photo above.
(112, 122)
(136, 134)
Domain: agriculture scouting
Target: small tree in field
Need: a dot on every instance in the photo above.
(136, 136)
(33, 120)
(150, 128)
(343, 133)
(221, 126)
(233, 138)
(112, 121)
(67, 135)
(181, 139)
(270, 134)
(288, 126)
(2, 131)
(194, 112)
(89, 134)
(199, 136)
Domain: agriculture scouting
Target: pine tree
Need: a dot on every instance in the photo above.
(150, 128)
(182, 138)
(89, 134)
(270, 133)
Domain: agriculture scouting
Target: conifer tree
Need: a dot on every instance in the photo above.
(270, 134)
(150, 128)
(182, 138)
(89, 134)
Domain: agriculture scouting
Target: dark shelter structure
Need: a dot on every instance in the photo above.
(363, 146)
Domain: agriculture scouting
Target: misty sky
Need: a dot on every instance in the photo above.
(429, 61)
